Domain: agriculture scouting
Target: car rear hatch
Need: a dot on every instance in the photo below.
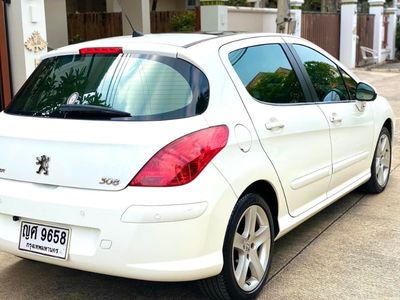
(93, 120)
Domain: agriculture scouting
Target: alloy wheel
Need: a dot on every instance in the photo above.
(382, 160)
(251, 248)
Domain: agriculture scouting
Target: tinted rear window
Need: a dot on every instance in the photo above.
(148, 87)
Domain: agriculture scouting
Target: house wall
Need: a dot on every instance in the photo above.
(113, 6)
(56, 23)
(170, 5)
(139, 14)
(262, 19)
(25, 18)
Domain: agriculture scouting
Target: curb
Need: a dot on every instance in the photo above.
(392, 70)
(392, 66)
(374, 69)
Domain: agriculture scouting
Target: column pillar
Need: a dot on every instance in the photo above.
(113, 6)
(376, 9)
(295, 9)
(138, 13)
(27, 38)
(348, 33)
(56, 23)
(392, 31)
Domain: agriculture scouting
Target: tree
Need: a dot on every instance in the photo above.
(329, 5)
(321, 5)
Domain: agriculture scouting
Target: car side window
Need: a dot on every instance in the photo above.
(267, 74)
(324, 75)
(351, 84)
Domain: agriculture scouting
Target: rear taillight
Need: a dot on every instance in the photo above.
(182, 160)
(100, 50)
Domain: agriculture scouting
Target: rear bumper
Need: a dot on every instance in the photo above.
(160, 234)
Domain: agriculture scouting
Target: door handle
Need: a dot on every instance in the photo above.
(274, 125)
(334, 118)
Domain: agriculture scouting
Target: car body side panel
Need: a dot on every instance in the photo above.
(304, 174)
(144, 245)
(243, 161)
(355, 137)
(352, 140)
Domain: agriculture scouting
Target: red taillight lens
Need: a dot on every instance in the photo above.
(100, 50)
(182, 160)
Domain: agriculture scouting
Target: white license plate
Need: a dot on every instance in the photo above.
(44, 239)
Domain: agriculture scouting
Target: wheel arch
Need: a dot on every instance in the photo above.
(389, 125)
(267, 192)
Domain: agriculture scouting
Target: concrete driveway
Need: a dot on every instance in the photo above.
(351, 250)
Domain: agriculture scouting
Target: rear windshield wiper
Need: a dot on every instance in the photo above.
(92, 111)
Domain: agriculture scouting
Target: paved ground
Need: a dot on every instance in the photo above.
(351, 250)
(389, 67)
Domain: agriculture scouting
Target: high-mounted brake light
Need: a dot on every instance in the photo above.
(100, 50)
(182, 160)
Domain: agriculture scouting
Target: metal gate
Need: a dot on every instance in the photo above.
(322, 29)
(365, 33)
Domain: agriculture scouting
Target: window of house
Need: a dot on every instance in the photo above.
(324, 75)
(192, 3)
(267, 74)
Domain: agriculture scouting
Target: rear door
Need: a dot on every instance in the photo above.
(93, 120)
(351, 122)
(294, 132)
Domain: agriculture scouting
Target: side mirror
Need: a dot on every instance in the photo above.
(365, 92)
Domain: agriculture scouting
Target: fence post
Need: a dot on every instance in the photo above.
(56, 23)
(295, 9)
(376, 9)
(139, 14)
(348, 33)
(392, 31)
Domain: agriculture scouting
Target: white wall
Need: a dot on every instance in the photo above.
(242, 19)
(348, 33)
(252, 19)
(139, 14)
(24, 17)
(113, 6)
(56, 23)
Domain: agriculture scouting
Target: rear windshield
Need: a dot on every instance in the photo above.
(113, 87)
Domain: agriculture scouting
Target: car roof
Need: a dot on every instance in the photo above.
(163, 42)
(191, 46)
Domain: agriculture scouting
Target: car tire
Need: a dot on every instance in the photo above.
(247, 249)
(380, 167)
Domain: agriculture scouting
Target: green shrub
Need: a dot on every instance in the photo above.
(76, 39)
(237, 3)
(184, 23)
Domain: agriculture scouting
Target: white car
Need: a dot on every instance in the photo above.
(179, 157)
